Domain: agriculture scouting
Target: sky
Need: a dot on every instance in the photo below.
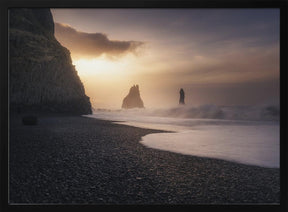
(218, 56)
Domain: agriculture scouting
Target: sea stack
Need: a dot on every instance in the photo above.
(182, 97)
(42, 76)
(133, 99)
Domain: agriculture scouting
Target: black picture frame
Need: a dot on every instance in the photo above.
(5, 5)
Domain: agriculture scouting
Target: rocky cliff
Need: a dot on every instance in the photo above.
(133, 99)
(41, 74)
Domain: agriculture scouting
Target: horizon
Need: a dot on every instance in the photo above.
(218, 56)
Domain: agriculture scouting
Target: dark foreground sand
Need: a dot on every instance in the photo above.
(83, 160)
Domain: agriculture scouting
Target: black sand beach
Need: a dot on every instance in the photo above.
(78, 160)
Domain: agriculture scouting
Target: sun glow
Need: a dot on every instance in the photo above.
(100, 66)
(107, 79)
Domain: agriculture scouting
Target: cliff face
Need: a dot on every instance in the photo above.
(42, 76)
(133, 99)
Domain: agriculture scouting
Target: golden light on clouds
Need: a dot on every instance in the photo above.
(91, 45)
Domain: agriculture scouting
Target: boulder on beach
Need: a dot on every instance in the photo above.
(30, 120)
(133, 99)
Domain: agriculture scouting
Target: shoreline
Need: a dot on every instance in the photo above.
(269, 157)
(81, 160)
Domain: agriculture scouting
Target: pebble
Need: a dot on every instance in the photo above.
(95, 161)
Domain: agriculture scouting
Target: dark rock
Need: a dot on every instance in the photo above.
(30, 120)
(42, 76)
(133, 99)
(182, 97)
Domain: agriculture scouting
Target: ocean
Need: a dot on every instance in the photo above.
(242, 134)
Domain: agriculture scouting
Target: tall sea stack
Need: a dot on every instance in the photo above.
(42, 77)
(133, 99)
(182, 97)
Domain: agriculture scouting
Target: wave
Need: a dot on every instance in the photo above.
(249, 113)
(242, 134)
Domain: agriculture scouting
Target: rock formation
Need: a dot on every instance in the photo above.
(182, 97)
(133, 99)
(42, 77)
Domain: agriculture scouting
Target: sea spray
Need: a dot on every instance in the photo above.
(243, 134)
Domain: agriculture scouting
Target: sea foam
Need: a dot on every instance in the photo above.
(250, 138)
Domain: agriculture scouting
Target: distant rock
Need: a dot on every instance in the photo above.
(182, 97)
(133, 99)
(42, 76)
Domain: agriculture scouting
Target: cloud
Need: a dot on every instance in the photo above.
(225, 64)
(91, 45)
